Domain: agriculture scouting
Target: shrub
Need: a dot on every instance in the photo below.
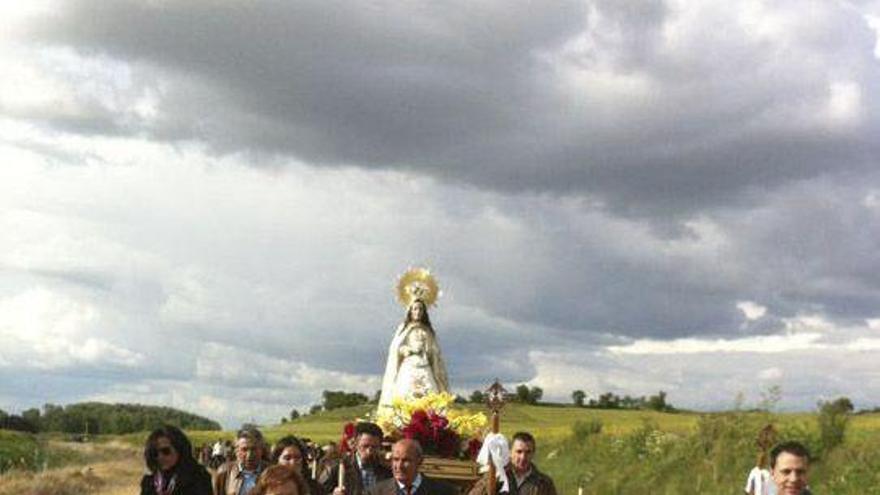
(582, 430)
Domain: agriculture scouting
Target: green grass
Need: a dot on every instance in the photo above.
(19, 450)
(545, 422)
(634, 452)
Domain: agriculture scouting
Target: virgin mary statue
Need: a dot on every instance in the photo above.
(415, 366)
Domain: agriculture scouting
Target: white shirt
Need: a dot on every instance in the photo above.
(401, 488)
(759, 482)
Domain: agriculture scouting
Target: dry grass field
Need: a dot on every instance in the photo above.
(111, 468)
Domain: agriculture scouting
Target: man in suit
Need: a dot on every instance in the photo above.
(789, 468)
(362, 469)
(406, 458)
(523, 477)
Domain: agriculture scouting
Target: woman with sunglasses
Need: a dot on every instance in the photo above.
(291, 451)
(172, 468)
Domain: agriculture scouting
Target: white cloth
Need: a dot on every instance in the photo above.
(496, 445)
(759, 482)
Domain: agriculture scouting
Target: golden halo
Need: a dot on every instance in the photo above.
(417, 283)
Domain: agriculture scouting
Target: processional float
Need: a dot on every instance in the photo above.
(415, 400)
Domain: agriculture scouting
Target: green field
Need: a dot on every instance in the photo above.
(626, 452)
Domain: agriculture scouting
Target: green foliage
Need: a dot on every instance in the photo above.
(582, 430)
(610, 400)
(477, 397)
(658, 402)
(294, 414)
(713, 457)
(527, 395)
(578, 397)
(833, 419)
(19, 450)
(334, 399)
(99, 418)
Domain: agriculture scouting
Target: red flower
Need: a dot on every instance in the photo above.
(473, 448)
(418, 416)
(348, 432)
(432, 431)
(349, 429)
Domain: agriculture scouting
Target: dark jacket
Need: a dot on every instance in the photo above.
(536, 483)
(354, 485)
(192, 481)
(428, 486)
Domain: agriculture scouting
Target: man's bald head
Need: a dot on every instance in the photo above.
(406, 457)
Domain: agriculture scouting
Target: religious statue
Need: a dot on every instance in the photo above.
(415, 365)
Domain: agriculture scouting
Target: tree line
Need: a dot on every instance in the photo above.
(523, 394)
(101, 418)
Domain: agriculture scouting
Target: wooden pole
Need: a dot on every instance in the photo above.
(493, 476)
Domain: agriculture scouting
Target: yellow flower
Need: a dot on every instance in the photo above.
(392, 419)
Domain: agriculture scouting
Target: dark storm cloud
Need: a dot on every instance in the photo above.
(514, 97)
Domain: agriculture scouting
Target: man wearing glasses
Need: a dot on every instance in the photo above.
(238, 477)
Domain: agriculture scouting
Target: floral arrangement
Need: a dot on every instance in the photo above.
(440, 429)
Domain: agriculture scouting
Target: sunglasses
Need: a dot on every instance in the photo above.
(164, 451)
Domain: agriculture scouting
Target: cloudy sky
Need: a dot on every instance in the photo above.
(206, 204)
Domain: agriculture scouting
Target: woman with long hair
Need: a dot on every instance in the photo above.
(291, 451)
(173, 470)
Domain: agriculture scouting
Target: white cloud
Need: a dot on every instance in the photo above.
(762, 344)
(47, 330)
(874, 23)
(606, 176)
(771, 374)
(752, 310)
(845, 102)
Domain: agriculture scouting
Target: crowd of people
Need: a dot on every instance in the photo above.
(249, 466)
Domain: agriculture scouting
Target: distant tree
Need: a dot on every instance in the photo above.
(477, 397)
(283, 420)
(376, 396)
(315, 409)
(294, 414)
(770, 398)
(334, 399)
(32, 416)
(578, 397)
(522, 393)
(535, 395)
(843, 404)
(607, 400)
(629, 402)
(17, 423)
(658, 402)
(833, 420)
(459, 399)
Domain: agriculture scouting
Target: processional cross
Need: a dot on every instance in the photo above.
(495, 401)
